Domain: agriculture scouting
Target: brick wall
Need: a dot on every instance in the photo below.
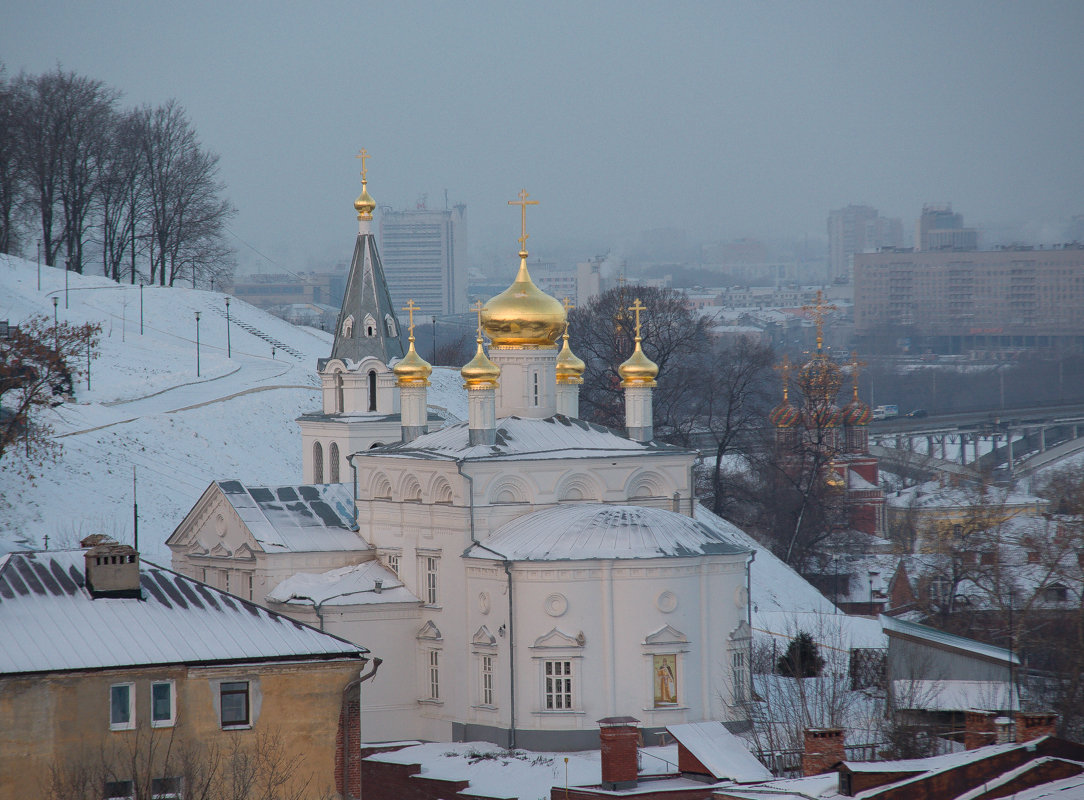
(823, 750)
(383, 781)
(348, 735)
(688, 763)
(1031, 725)
(979, 729)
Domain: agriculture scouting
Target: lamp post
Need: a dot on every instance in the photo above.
(229, 350)
(56, 329)
(197, 344)
(434, 318)
(88, 360)
(141, 308)
(67, 269)
(39, 265)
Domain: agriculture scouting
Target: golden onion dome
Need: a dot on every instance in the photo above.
(412, 370)
(480, 372)
(365, 204)
(638, 370)
(570, 367)
(523, 316)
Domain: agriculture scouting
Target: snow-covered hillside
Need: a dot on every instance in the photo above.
(147, 408)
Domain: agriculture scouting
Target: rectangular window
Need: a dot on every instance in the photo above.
(487, 680)
(163, 705)
(234, 703)
(737, 661)
(535, 392)
(122, 707)
(113, 790)
(166, 788)
(430, 580)
(558, 685)
(226, 579)
(393, 563)
(250, 582)
(434, 674)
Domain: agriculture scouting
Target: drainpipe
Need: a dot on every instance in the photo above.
(511, 658)
(354, 684)
(470, 496)
(315, 607)
(749, 617)
(692, 487)
(354, 498)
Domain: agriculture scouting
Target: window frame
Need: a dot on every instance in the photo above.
(432, 674)
(568, 692)
(488, 676)
(429, 568)
(130, 723)
(246, 693)
(171, 720)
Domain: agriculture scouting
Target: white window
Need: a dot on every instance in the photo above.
(163, 704)
(333, 458)
(534, 389)
(250, 582)
(234, 705)
(122, 707)
(740, 672)
(434, 674)
(317, 463)
(429, 572)
(393, 562)
(557, 686)
(487, 680)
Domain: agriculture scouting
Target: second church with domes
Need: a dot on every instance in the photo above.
(522, 573)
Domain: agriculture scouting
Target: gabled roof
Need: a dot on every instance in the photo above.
(517, 438)
(345, 586)
(50, 623)
(296, 519)
(935, 638)
(367, 295)
(722, 753)
(594, 530)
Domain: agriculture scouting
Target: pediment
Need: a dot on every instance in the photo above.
(741, 632)
(244, 553)
(430, 632)
(220, 551)
(557, 638)
(667, 634)
(197, 549)
(483, 637)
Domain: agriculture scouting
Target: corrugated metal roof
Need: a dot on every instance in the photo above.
(722, 753)
(296, 519)
(925, 633)
(49, 622)
(517, 438)
(594, 530)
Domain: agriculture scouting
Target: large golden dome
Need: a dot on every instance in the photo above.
(523, 316)
(480, 372)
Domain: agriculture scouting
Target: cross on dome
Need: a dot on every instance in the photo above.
(820, 310)
(636, 308)
(856, 368)
(364, 156)
(523, 202)
(410, 307)
(477, 308)
(784, 370)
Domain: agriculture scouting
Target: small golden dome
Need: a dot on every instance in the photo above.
(639, 370)
(365, 204)
(570, 367)
(480, 372)
(413, 370)
(833, 479)
(523, 316)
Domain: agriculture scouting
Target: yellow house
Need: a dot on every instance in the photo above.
(122, 679)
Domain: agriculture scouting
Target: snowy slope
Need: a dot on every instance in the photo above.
(148, 409)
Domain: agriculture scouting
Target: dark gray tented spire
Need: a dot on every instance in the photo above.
(367, 324)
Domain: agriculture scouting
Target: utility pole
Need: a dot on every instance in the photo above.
(56, 329)
(39, 265)
(135, 513)
(197, 344)
(141, 308)
(229, 350)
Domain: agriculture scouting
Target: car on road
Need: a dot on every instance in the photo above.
(918, 413)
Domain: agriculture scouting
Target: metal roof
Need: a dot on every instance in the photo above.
(345, 586)
(367, 294)
(518, 438)
(722, 753)
(934, 637)
(296, 519)
(598, 531)
(50, 623)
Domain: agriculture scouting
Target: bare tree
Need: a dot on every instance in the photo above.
(121, 197)
(11, 178)
(187, 216)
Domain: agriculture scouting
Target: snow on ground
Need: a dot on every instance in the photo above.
(148, 409)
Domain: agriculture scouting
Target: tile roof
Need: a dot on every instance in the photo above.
(50, 623)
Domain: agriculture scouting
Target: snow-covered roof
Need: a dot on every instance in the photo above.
(353, 585)
(932, 636)
(296, 519)
(722, 753)
(517, 438)
(932, 495)
(953, 695)
(595, 530)
(50, 623)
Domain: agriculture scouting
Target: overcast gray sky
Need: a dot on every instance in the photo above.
(725, 119)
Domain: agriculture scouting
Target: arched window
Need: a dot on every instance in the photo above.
(333, 458)
(340, 403)
(390, 323)
(317, 463)
(348, 327)
(534, 393)
(372, 390)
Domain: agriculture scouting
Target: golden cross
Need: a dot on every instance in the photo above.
(785, 369)
(567, 304)
(411, 308)
(637, 307)
(477, 307)
(856, 368)
(523, 202)
(820, 309)
(363, 155)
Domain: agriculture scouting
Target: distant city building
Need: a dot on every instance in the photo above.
(940, 229)
(424, 253)
(952, 301)
(287, 288)
(855, 229)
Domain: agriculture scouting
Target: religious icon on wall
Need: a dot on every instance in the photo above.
(665, 679)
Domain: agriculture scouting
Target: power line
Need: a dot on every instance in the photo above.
(261, 255)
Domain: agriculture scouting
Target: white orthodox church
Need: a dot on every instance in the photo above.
(522, 573)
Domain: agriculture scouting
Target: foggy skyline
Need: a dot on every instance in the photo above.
(722, 119)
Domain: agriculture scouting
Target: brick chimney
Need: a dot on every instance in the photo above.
(979, 729)
(823, 750)
(620, 738)
(112, 570)
(1033, 724)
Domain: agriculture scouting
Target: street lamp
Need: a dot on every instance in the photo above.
(67, 269)
(197, 344)
(229, 350)
(39, 265)
(140, 308)
(56, 329)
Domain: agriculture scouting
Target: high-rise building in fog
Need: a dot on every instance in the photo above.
(940, 229)
(425, 258)
(855, 229)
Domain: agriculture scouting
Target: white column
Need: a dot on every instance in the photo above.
(568, 399)
(415, 416)
(528, 381)
(482, 415)
(638, 413)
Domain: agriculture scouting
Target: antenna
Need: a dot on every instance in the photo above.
(135, 513)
